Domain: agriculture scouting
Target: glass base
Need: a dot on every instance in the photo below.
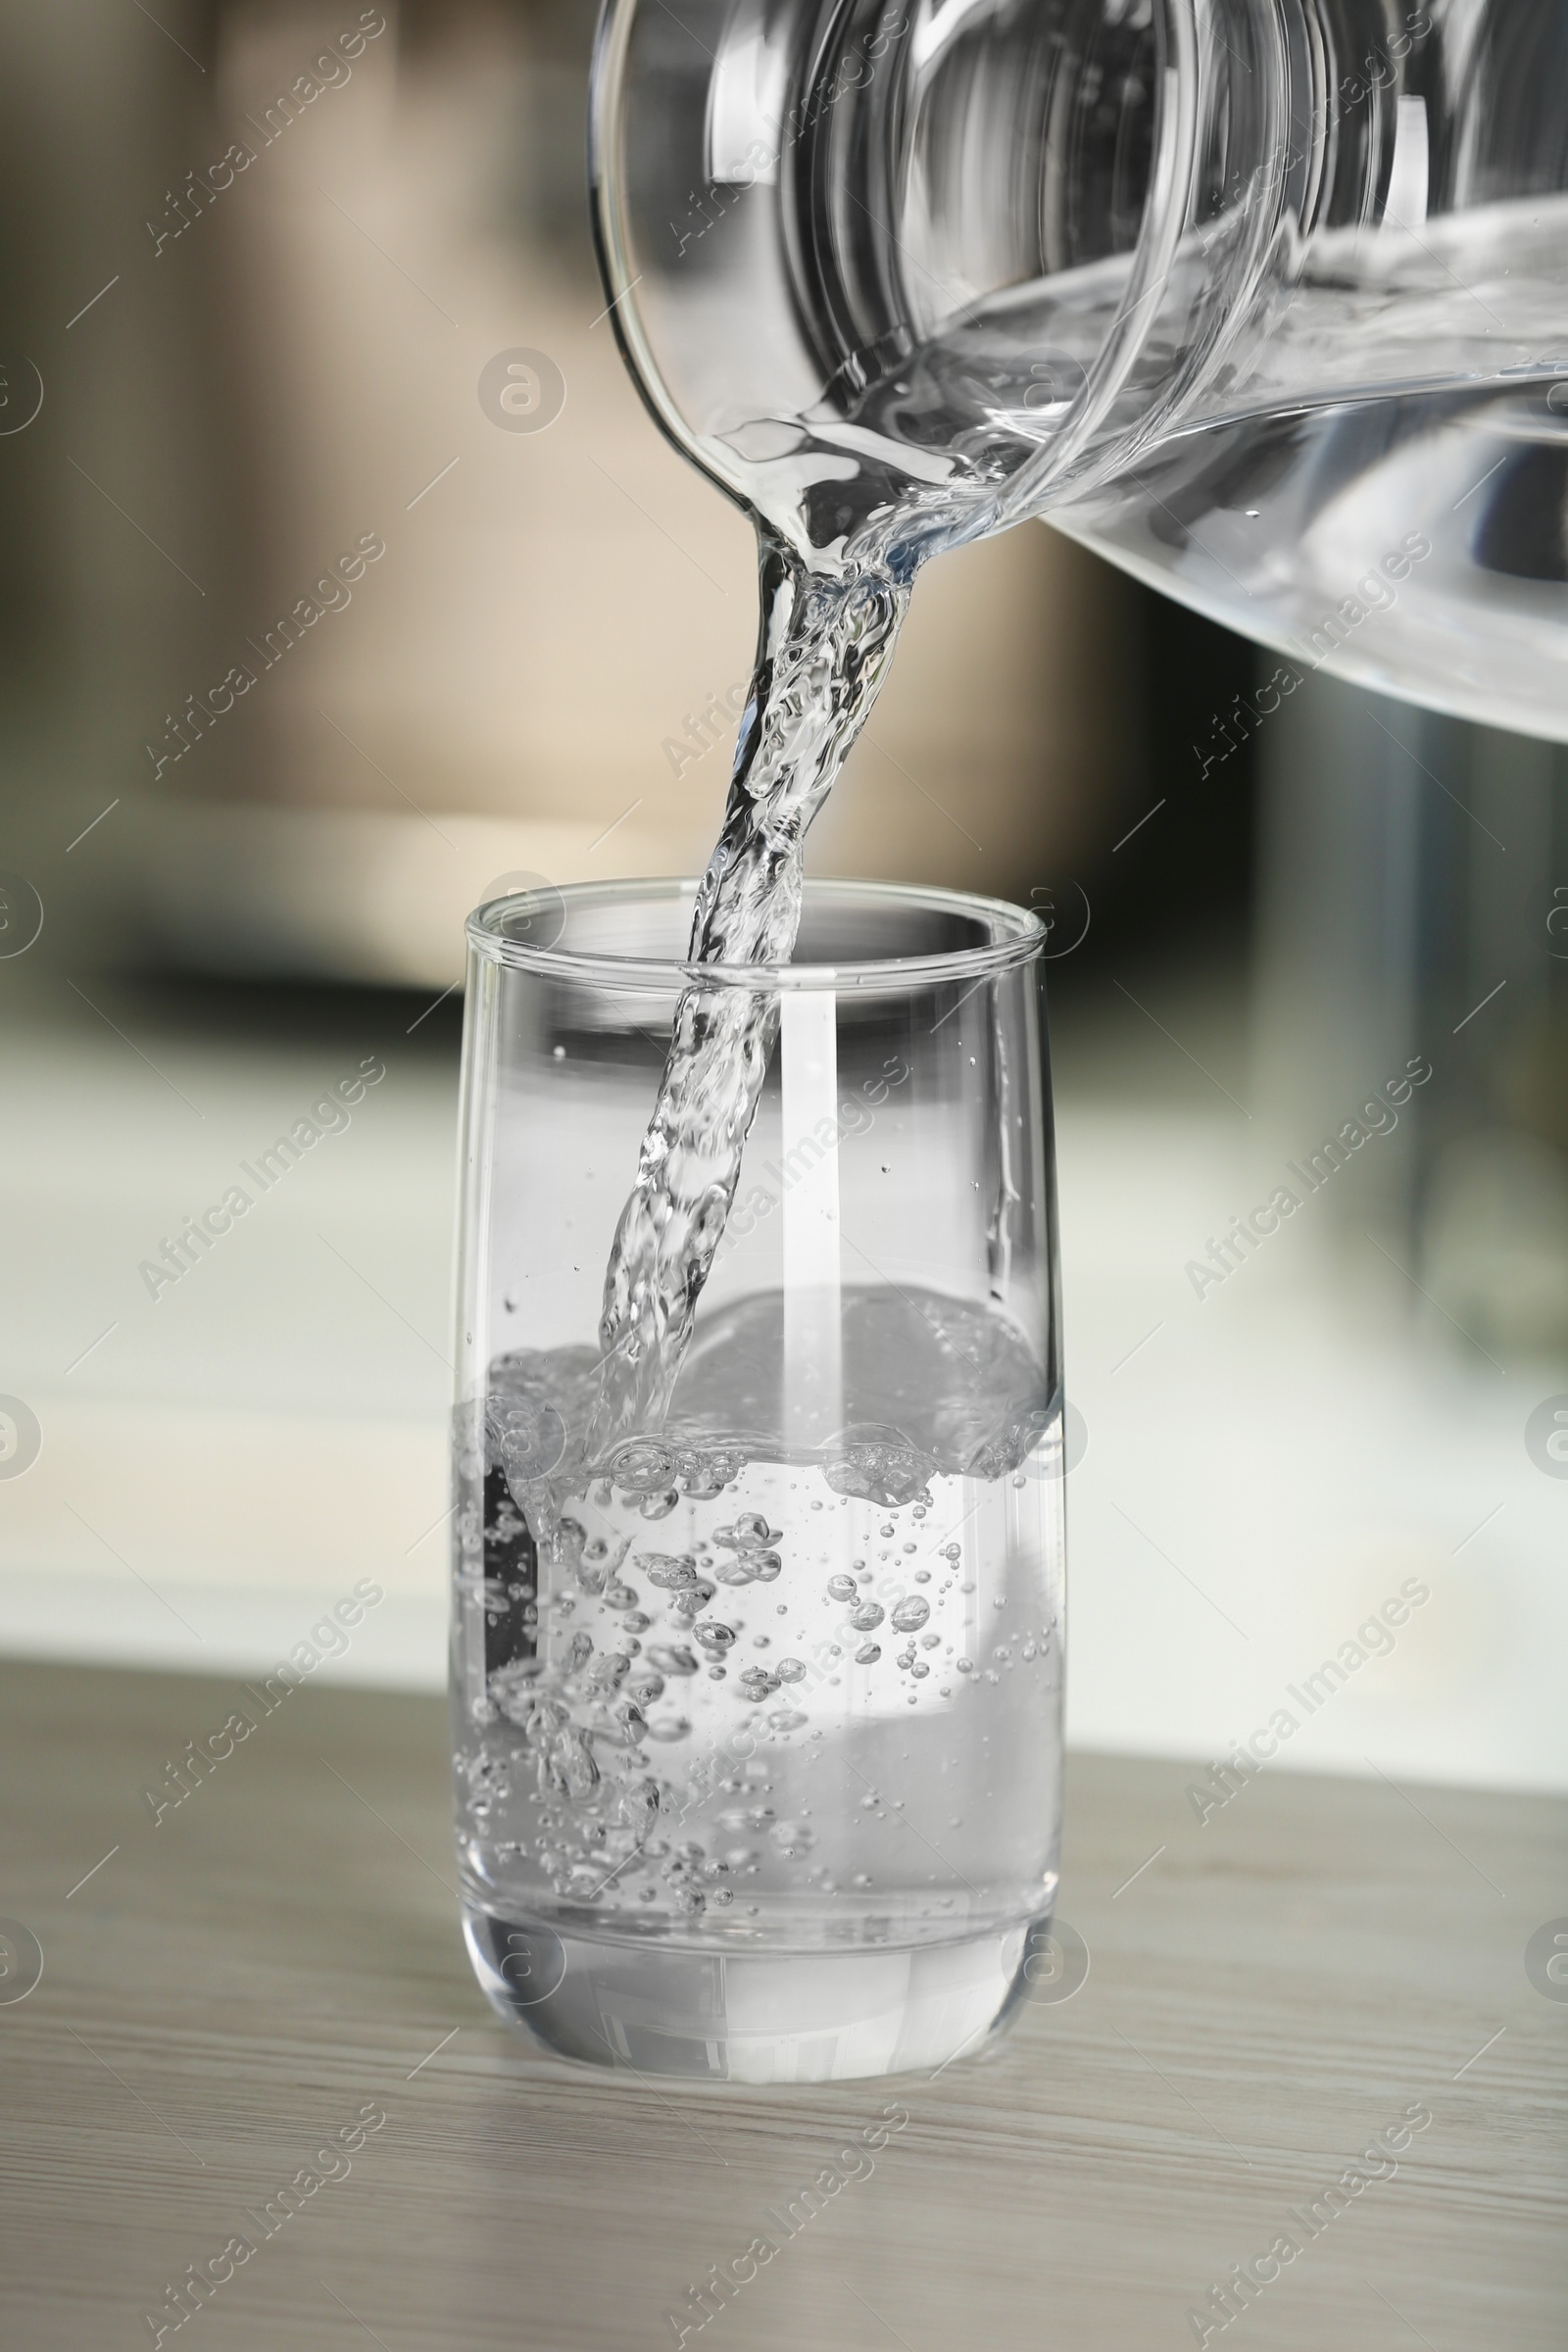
(740, 2016)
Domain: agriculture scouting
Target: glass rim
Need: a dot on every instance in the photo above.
(1022, 938)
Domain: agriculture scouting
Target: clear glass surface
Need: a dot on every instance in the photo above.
(757, 1705)
(1268, 299)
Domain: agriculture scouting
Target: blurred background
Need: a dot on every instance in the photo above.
(266, 266)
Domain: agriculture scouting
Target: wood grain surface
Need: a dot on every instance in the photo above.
(233, 1987)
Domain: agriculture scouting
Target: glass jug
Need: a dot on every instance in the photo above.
(1266, 299)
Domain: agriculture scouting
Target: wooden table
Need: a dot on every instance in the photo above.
(277, 1961)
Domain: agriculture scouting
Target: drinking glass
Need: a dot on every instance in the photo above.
(756, 1705)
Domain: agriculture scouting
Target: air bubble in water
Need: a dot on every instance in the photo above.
(669, 1571)
(692, 1597)
(639, 1805)
(672, 1658)
(911, 1614)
